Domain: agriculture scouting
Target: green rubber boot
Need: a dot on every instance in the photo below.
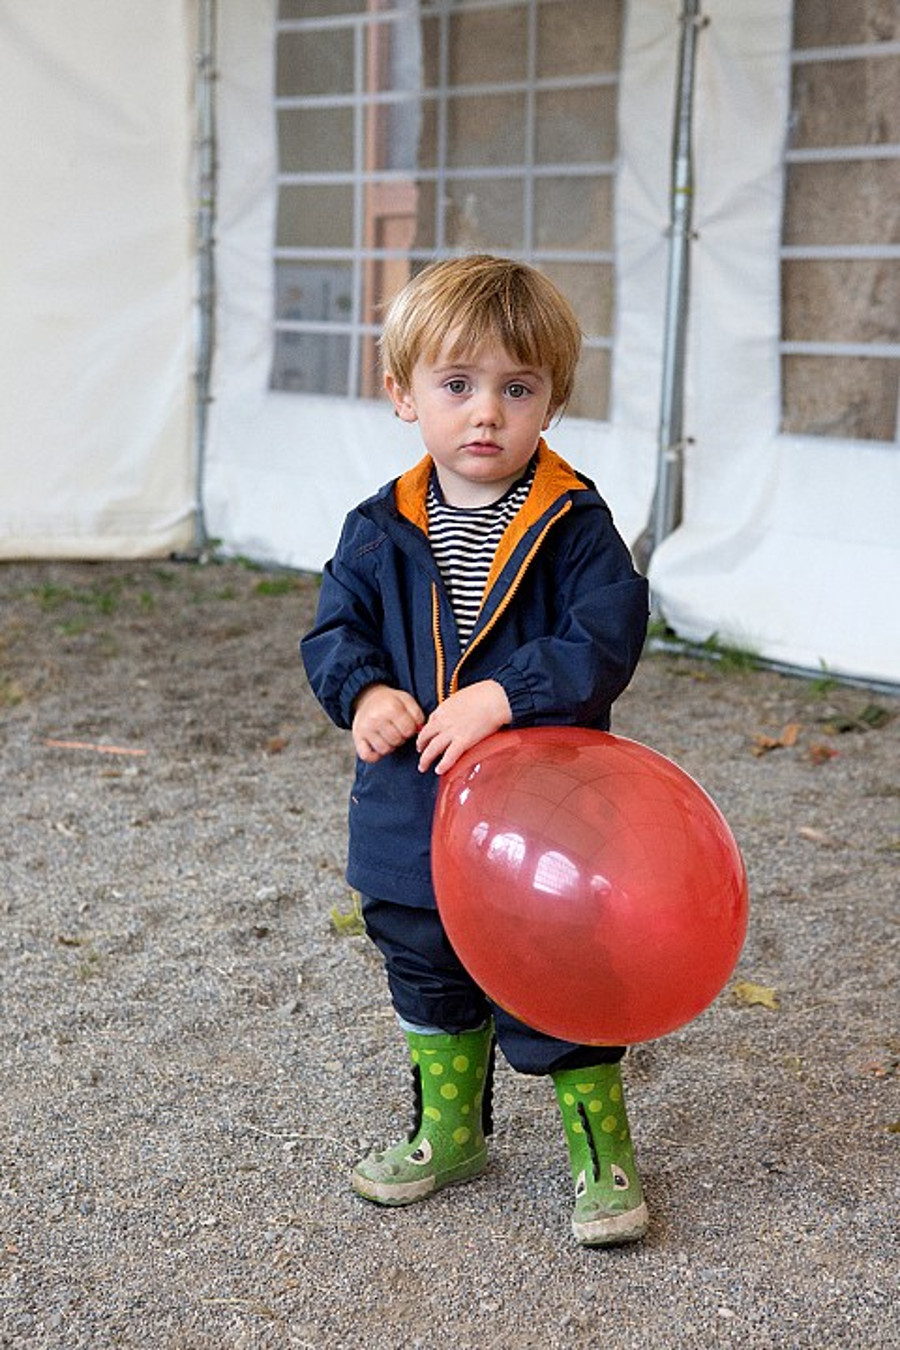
(609, 1202)
(451, 1078)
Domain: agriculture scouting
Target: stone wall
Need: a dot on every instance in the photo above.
(840, 284)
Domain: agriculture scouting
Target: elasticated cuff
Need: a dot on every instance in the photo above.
(521, 703)
(358, 680)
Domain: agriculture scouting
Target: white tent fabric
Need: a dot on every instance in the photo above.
(96, 278)
(788, 545)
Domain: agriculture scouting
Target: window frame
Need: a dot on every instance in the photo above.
(361, 256)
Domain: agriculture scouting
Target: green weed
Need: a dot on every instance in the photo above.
(823, 685)
(11, 692)
(98, 599)
(89, 966)
(348, 924)
(731, 658)
(276, 586)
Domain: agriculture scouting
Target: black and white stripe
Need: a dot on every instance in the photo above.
(464, 540)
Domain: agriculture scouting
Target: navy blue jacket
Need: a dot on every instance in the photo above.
(561, 628)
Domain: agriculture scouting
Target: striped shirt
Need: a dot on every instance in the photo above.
(464, 540)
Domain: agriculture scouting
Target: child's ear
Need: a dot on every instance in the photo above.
(401, 399)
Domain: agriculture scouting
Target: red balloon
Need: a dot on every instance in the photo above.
(589, 885)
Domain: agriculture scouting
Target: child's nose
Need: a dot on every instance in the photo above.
(487, 409)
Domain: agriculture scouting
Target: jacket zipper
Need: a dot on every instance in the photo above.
(439, 663)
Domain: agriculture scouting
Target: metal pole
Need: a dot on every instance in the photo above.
(667, 502)
(205, 149)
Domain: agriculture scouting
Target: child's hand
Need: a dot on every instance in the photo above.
(461, 722)
(383, 718)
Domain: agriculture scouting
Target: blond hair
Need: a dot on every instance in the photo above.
(480, 301)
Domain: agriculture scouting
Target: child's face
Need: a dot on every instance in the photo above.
(481, 417)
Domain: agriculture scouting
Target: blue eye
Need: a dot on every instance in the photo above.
(518, 390)
(456, 386)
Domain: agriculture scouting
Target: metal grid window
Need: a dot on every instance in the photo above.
(413, 130)
(840, 352)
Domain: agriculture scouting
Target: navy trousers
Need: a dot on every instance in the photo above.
(430, 988)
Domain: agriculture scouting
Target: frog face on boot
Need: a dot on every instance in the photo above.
(452, 1085)
(609, 1202)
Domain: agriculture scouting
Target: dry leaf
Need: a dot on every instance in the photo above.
(751, 995)
(821, 754)
(762, 743)
(882, 1068)
(816, 836)
(91, 745)
(790, 733)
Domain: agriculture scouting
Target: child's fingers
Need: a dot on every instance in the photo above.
(383, 739)
(431, 744)
(385, 718)
(410, 720)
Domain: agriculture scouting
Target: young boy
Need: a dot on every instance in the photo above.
(484, 588)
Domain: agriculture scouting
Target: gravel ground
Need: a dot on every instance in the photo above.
(192, 1051)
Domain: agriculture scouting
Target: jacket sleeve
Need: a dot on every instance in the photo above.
(573, 673)
(343, 652)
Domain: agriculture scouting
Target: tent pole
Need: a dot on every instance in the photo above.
(205, 150)
(667, 500)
